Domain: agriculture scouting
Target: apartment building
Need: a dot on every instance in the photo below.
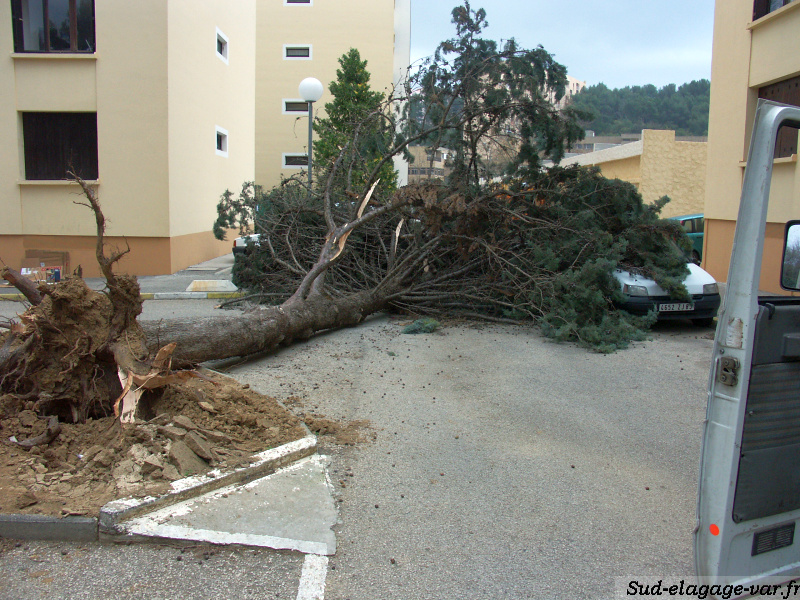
(428, 165)
(161, 105)
(573, 87)
(306, 38)
(756, 54)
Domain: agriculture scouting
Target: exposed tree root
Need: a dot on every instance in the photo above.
(52, 432)
(71, 346)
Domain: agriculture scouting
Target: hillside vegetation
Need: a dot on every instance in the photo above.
(631, 109)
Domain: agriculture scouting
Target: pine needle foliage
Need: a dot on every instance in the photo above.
(355, 128)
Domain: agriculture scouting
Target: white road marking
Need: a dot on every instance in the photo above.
(312, 579)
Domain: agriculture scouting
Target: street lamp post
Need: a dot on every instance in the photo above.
(310, 91)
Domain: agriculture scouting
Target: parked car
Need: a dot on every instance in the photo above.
(240, 243)
(694, 226)
(643, 295)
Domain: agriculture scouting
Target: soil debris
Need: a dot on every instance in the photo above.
(101, 460)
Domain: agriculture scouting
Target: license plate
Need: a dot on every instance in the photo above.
(676, 307)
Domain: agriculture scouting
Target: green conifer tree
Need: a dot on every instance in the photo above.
(355, 127)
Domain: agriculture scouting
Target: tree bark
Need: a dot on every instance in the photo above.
(260, 329)
(26, 287)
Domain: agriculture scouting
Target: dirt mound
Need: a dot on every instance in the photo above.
(192, 427)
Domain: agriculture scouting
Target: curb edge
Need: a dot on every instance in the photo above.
(91, 529)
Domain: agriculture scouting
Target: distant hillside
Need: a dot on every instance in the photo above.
(631, 109)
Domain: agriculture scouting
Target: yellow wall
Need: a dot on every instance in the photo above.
(132, 116)
(627, 169)
(128, 91)
(658, 166)
(70, 82)
(331, 27)
(747, 56)
(775, 46)
(10, 133)
(205, 92)
(674, 169)
(730, 112)
(160, 91)
(719, 241)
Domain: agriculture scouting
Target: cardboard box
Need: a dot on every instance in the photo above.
(44, 265)
(46, 258)
(35, 274)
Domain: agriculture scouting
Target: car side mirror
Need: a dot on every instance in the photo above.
(790, 269)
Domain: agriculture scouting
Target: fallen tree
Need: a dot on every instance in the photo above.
(543, 253)
(536, 245)
(78, 352)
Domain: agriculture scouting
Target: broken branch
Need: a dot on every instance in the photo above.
(26, 287)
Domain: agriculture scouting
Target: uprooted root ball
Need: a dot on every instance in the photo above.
(62, 358)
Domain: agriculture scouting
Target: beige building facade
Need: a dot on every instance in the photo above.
(658, 165)
(573, 87)
(306, 39)
(427, 165)
(141, 124)
(161, 105)
(756, 53)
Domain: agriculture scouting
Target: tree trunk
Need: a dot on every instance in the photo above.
(260, 329)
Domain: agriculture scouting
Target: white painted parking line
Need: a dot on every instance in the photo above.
(312, 579)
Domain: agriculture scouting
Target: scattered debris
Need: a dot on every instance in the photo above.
(425, 325)
(101, 460)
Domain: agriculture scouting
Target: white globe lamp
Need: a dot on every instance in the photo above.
(310, 90)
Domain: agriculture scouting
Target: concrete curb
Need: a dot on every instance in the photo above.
(156, 296)
(39, 527)
(266, 463)
(86, 529)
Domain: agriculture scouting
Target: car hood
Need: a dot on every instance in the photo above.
(694, 282)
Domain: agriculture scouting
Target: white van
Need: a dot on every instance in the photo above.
(748, 502)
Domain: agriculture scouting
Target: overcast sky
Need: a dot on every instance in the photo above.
(616, 42)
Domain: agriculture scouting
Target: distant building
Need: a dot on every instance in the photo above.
(495, 151)
(594, 143)
(658, 164)
(429, 165)
(573, 87)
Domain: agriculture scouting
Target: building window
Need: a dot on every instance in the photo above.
(222, 46)
(297, 52)
(55, 143)
(295, 161)
(222, 141)
(786, 92)
(294, 106)
(764, 7)
(53, 25)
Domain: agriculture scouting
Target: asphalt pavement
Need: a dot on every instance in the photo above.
(496, 464)
(504, 465)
